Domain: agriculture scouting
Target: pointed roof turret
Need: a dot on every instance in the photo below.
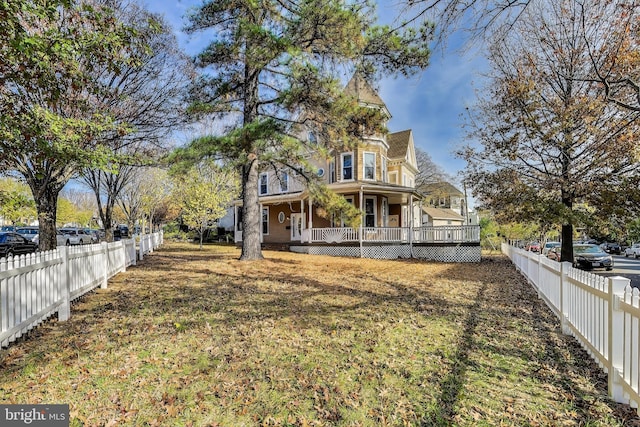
(363, 92)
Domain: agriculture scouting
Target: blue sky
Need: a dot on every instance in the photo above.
(430, 103)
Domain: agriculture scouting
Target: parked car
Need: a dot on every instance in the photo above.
(94, 234)
(633, 250)
(587, 257)
(12, 243)
(77, 236)
(8, 228)
(554, 253)
(611, 248)
(27, 232)
(550, 245)
(61, 239)
(533, 247)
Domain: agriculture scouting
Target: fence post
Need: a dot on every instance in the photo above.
(564, 296)
(617, 286)
(140, 247)
(105, 265)
(64, 310)
(132, 252)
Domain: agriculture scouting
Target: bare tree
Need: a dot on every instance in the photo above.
(549, 140)
(430, 172)
(146, 97)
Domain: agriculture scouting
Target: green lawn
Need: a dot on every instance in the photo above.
(199, 338)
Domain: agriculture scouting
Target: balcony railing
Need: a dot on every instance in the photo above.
(425, 234)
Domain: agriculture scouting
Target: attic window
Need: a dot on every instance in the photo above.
(312, 138)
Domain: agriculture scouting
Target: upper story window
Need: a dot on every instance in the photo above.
(404, 179)
(347, 166)
(384, 169)
(312, 138)
(264, 184)
(332, 172)
(284, 182)
(369, 165)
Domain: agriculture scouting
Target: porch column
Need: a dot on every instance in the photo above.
(361, 220)
(310, 217)
(411, 224)
(303, 221)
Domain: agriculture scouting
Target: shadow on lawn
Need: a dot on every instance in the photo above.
(218, 296)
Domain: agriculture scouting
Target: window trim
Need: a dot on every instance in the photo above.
(266, 184)
(364, 165)
(284, 182)
(342, 156)
(374, 213)
(263, 222)
(383, 165)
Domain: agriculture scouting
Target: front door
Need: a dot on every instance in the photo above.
(296, 226)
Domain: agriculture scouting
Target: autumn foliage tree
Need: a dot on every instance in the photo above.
(273, 66)
(204, 193)
(548, 140)
(49, 123)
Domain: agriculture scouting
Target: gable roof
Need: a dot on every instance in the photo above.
(362, 91)
(398, 144)
(437, 213)
(441, 188)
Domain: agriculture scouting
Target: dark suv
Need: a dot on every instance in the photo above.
(611, 248)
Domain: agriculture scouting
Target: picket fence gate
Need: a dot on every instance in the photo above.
(602, 313)
(34, 287)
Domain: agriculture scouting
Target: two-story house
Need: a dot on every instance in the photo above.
(377, 176)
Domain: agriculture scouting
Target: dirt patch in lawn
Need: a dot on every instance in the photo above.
(199, 338)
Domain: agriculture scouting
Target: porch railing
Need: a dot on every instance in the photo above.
(425, 234)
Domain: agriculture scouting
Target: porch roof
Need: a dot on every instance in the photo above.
(395, 193)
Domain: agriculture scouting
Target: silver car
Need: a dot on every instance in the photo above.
(633, 250)
(77, 236)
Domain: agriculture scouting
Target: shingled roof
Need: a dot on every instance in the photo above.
(439, 188)
(398, 144)
(362, 91)
(437, 213)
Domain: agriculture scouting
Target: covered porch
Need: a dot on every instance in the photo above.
(391, 226)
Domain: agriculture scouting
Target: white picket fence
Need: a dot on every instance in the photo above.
(602, 313)
(36, 286)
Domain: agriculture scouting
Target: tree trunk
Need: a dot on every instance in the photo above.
(566, 251)
(251, 216)
(46, 206)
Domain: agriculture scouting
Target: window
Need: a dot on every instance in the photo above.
(411, 182)
(312, 138)
(284, 182)
(404, 179)
(349, 199)
(320, 172)
(264, 184)
(383, 172)
(332, 172)
(370, 212)
(265, 220)
(281, 217)
(239, 216)
(369, 164)
(347, 166)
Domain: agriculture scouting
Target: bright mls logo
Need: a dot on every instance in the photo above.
(34, 415)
